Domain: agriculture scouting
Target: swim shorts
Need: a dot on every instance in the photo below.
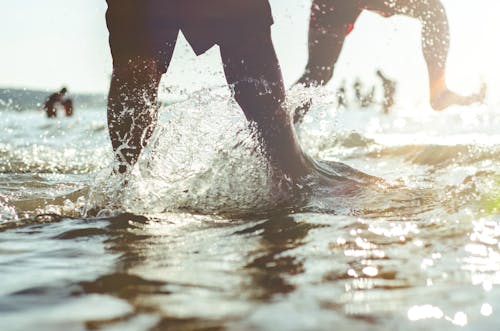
(151, 27)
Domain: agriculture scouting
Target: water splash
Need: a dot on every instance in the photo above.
(202, 157)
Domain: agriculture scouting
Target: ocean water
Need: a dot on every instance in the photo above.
(199, 238)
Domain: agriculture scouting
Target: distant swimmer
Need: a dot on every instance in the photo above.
(332, 20)
(367, 99)
(68, 107)
(364, 100)
(52, 101)
(389, 87)
(357, 86)
(142, 36)
(341, 96)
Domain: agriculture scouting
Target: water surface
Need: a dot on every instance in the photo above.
(199, 239)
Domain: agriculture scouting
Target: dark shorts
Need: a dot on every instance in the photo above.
(150, 27)
(332, 14)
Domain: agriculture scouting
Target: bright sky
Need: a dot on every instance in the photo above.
(50, 43)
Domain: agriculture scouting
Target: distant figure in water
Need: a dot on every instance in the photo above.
(142, 36)
(363, 100)
(52, 101)
(367, 99)
(357, 86)
(389, 91)
(68, 107)
(342, 96)
(332, 20)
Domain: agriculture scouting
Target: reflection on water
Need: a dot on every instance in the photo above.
(203, 245)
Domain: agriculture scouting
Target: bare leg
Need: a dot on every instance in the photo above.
(330, 22)
(141, 53)
(435, 47)
(252, 68)
(132, 108)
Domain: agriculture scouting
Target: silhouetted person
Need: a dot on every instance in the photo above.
(68, 106)
(357, 86)
(363, 100)
(332, 20)
(52, 101)
(341, 96)
(389, 92)
(142, 35)
(367, 99)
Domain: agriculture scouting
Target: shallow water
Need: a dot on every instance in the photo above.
(199, 239)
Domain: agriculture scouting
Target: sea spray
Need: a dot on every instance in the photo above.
(203, 157)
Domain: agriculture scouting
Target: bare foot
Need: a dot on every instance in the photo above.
(449, 98)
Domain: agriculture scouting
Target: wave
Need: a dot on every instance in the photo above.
(203, 157)
(353, 145)
(40, 159)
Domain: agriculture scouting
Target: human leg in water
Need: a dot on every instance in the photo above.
(141, 53)
(435, 45)
(330, 22)
(252, 68)
(132, 108)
